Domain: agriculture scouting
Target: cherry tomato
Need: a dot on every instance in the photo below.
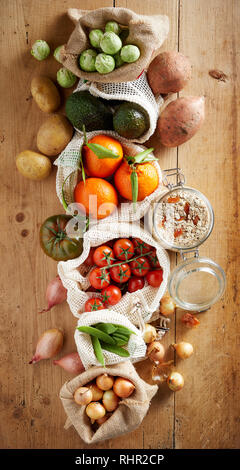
(103, 256)
(89, 260)
(99, 278)
(141, 247)
(135, 283)
(154, 278)
(154, 259)
(140, 266)
(123, 249)
(111, 295)
(93, 304)
(120, 273)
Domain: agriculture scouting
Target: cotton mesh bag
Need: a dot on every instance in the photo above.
(136, 345)
(68, 173)
(74, 274)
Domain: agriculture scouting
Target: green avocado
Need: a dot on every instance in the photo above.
(130, 120)
(82, 108)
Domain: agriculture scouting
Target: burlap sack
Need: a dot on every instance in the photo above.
(146, 32)
(127, 417)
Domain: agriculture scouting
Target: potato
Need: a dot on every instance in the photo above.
(45, 93)
(180, 120)
(54, 134)
(33, 165)
(169, 72)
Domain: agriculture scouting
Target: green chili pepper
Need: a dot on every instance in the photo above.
(115, 349)
(97, 333)
(98, 350)
(108, 328)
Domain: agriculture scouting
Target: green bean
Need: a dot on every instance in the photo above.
(97, 333)
(124, 330)
(120, 342)
(117, 335)
(108, 328)
(98, 350)
(115, 349)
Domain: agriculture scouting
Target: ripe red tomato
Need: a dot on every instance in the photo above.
(103, 256)
(154, 278)
(89, 260)
(141, 247)
(135, 283)
(99, 278)
(140, 266)
(93, 304)
(123, 249)
(120, 273)
(154, 259)
(111, 295)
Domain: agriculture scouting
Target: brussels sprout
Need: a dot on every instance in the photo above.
(124, 34)
(87, 60)
(112, 26)
(104, 63)
(56, 53)
(95, 37)
(130, 53)
(110, 43)
(40, 49)
(118, 60)
(66, 78)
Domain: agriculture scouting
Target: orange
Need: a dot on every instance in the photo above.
(147, 180)
(98, 197)
(102, 167)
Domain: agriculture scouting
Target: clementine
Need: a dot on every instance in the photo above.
(98, 197)
(105, 167)
(147, 180)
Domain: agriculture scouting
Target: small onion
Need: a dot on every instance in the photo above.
(82, 396)
(149, 334)
(104, 382)
(167, 305)
(97, 393)
(103, 419)
(175, 381)
(48, 345)
(110, 400)
(123, 387)
(71, 363)
(183, 349)
(55, 294)
(95, 410)
(156, 351)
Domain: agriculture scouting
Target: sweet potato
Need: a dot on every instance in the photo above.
(180, 120)
(169, 72)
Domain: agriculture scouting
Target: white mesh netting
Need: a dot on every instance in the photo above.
(67, 164)
(136, 345)
(74, 274)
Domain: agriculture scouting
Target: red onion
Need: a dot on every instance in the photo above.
(55, 294)
(71, 363)
(48, 345)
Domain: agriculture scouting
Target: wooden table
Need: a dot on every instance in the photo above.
(205, 414)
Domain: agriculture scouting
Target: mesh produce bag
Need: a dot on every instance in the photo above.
(146, 32)
(67, 164)
(127, 417)
(74, 274)
(136, 345)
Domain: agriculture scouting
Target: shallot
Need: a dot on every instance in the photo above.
(149, 334)
(83, 396)
(95, 410)
(183, 349)
(103, 419)
(48, 345)
(71, 363)
(175, 381)
(123, 387)
(110, 400)
(104, 382)
(55, 294)
(156, 351)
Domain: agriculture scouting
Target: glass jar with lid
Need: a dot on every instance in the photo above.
(181, 220)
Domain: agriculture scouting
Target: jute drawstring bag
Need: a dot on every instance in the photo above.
(146, 32)
(127, 417)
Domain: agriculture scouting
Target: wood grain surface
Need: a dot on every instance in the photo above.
(205, 414)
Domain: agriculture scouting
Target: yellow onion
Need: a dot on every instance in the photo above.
(82, 396)
(95, 410)
(156, 351)
(110, 400)
(175, 381)
(97, 393)
(183, 349)
(104, 382)
(123, 387)
(167, 305)
(103, 419)
(149, 334)
(48, 345)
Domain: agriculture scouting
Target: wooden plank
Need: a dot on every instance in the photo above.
(207, 409)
